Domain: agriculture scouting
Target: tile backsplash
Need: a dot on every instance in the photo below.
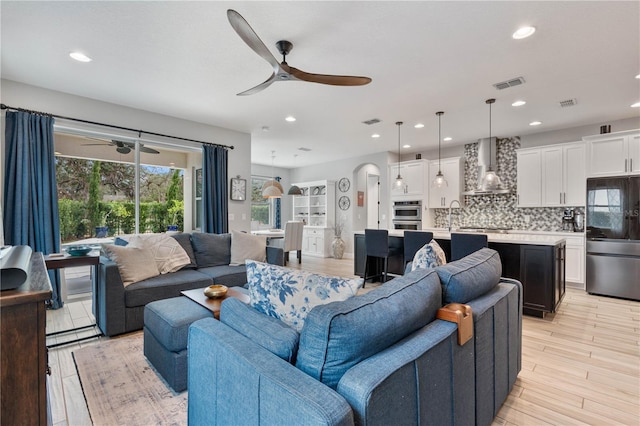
(500, 210)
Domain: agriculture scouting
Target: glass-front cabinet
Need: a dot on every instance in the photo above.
(316, 209)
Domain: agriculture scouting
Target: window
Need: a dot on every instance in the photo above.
(262, 209)
(197, 199)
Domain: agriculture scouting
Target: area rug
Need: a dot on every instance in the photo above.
(122, 388)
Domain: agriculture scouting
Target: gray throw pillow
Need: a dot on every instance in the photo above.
(211, 249)
(184, 239)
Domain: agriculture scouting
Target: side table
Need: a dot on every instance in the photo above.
(197, 295)
(60, 261)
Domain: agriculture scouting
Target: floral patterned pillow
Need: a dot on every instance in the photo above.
(429, 256)
(289, 294)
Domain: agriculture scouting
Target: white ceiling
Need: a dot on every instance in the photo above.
(183, 59)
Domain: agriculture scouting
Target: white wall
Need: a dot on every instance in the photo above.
(30, 97)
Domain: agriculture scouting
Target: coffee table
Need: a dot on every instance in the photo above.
(197, 295)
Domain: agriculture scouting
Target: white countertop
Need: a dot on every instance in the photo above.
(512, 237)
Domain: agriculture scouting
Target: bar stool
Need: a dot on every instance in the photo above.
(465, 244)
(376, 242)
(414, 241)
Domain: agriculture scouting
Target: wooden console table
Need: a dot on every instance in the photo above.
(23, 370)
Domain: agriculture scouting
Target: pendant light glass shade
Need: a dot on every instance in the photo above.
(399, 177)
(490, 180)
(439, 181)
(272, 188)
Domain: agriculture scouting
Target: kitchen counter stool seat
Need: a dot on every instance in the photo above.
(465, 244)
(376, 242)
(414, 241)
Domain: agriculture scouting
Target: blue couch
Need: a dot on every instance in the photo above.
(119, 309)
(378, 358)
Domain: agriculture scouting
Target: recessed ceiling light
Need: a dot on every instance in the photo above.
(535, 123)
(375, 135)
(447, 139)
(419, 126)
(406, 146)
(638, 76)
(523, 32)
(80, 57)
(518, 103)
(265, 128)
(290, 119)
(636, 105)
(172, 163)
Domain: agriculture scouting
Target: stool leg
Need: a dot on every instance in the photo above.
(386, 263)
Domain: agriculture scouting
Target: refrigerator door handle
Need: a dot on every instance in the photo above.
(625, 165)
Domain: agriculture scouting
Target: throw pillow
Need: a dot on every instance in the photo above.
(289, 294)
(247, 247)
(211, 249)
(184, 239)
(167, 253)
(135, 264)
(429, 256)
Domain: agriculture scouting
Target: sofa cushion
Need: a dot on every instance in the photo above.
(472, 276)
(339, 335)
(429, 256)
(247, 247)
(289, 294)
(167, 252)
(228, 275)
(134, 264)
(184, 239)
(164, 287)
(270, 333)
(211, 249)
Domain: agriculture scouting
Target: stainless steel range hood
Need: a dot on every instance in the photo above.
(486, 156)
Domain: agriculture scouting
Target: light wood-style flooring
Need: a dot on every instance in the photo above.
(579, 366)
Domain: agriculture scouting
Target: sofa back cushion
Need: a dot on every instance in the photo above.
(339, 335)
(470, 277)
(245, 246)
(184, 239)
(211, 249)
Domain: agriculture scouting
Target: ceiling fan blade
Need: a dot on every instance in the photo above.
(260, 87)
(148, 150)
(246, 33)
(335, 80)
(96, 144)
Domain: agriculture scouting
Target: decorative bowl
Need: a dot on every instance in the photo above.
(215, 291)
(78, 250)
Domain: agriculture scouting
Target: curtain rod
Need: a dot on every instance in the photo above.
(3, 106)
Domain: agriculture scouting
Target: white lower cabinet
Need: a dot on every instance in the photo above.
(317, 241)
(574, 262)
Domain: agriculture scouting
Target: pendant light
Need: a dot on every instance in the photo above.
(399, 177)
(490, 180)
(295, 189)
(439, 181)
(270, 190)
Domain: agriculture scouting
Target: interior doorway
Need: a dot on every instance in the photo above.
(373, 201)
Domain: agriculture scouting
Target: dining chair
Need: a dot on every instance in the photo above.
(376, 242)
(292, 240)
(414, 241)
(465, 244)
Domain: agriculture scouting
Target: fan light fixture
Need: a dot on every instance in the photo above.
(439, 181)
(490, 180)
(399, 177)
(295, 189)
(272, 190)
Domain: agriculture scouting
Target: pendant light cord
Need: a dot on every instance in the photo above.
(399, 123)
(490, 102)
(439, 114)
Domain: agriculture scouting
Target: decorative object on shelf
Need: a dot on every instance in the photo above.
(316, 190)
(271, 190)
(337, 245)
(78, 250)
(323, 190)
(439, 181)
(294, 190)
(399, 177)
(344, 184)
(238, 189)
(344, 202)
(215, 291)
(490, 180)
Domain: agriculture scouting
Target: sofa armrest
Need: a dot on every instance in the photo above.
(275, 255)
(108, 298)
(425, 376)
(232, 380)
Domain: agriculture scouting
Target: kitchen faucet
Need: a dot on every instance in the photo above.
(450, 208)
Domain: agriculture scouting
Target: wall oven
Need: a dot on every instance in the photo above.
(407, 215)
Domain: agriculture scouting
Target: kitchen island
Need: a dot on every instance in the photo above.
(537, 261)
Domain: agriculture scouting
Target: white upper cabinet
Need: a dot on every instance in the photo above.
(413, 180)
(613, 154)
(529, 181)
(552, 176)
(453, 171)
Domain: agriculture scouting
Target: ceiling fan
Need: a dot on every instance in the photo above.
(123, 147)
(282, 71)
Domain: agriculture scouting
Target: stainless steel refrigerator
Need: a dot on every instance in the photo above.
(613, 237)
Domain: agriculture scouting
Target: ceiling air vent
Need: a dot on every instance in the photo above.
(509, 83)
(304, 149)
(372, 121)
(568, 103)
